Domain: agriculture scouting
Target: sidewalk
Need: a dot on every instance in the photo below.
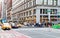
(42, 29)
(51, 30)
(56, 30)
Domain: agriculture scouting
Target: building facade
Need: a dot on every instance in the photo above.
(4, 14)
(36, 11)
(6, 9)
(0, 10)
(9, 8)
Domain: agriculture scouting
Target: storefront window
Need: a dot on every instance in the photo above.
(44, 11)
(53, 11)
(41, 11)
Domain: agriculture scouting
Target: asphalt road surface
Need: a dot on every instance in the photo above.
(12, 34)
(40, 32)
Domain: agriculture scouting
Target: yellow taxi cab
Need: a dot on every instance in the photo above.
(6, 26)
(19, 25)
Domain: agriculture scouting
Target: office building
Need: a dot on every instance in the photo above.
(36, 11)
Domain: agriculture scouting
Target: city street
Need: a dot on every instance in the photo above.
(11, 34)
(29, 18)
(40, 32)
(30, 33)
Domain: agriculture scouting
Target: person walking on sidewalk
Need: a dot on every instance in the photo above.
(43, 24)
(49, 25)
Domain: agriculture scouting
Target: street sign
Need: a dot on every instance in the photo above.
(48, 11)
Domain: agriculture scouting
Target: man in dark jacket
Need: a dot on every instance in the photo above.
(43, 24)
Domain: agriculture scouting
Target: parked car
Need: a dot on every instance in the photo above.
(13, 25)
(6, 26)
(19, 25)
(37, 25)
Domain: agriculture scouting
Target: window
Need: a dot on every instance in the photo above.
(58, 16)
(45, 2)
(26, 13)
(55, 2)
(30, 4)
(53, 11)
(44, 11)
(25, 0)
(34, 2)
(50, 2)
(26, 5)
(34, 11)
(58, 2)
(41, 11)
(41, 2)
(18, 15)
(30, 13)
(22, 14)
(54, 19)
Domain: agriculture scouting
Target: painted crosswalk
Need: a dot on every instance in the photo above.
(12, 34)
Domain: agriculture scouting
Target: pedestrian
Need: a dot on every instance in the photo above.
(25, 23)
(43, 24)
(49, 25)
